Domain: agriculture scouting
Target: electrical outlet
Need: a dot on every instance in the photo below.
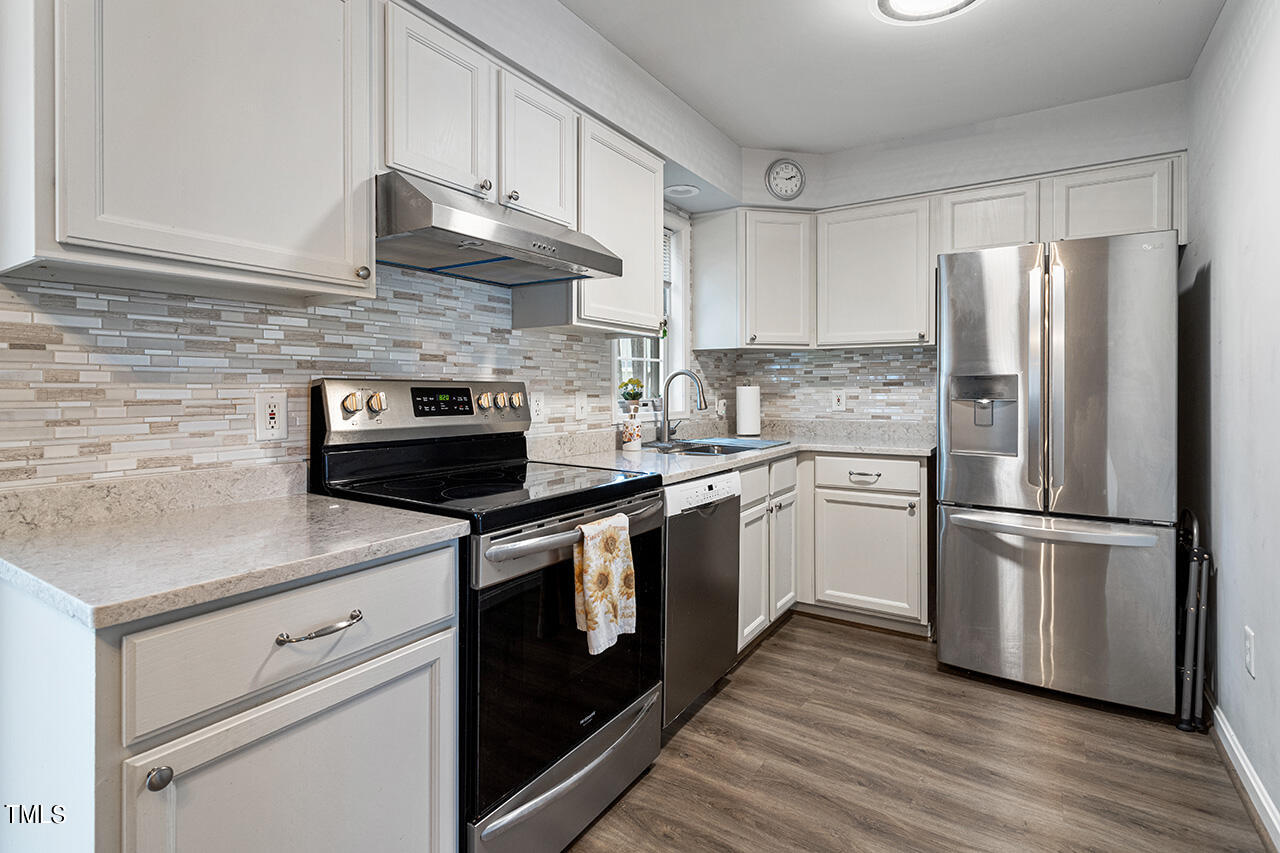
(581, 406)
(271, 415)
(837, 401)
(1248, 651)
(538, 407)
(722, 407)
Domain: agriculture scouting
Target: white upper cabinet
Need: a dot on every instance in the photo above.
(753, 279)
(537, 152)
(622, 208)
(1004, 215)
(874, 281)
(441, 105)
(779, 278)
(231, 134)
(1116, 200)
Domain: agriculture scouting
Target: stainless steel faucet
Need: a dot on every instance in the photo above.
(664, 430)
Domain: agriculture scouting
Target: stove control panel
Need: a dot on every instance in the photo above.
(368, 410)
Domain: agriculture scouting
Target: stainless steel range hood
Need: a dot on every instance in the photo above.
(425, 226)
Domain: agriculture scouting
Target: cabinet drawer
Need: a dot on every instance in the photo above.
(782, 476)
(868, 473)
(177, 671)
(755, 485)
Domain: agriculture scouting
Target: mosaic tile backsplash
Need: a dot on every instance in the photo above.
(100, 382)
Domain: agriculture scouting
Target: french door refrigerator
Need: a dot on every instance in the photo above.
(1056, 487)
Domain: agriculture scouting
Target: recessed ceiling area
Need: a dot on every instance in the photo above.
(826, 75)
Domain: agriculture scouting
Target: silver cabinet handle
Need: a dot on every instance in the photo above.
(486, 185)
(158, 778)
(911, 504)
(363, 273)
(921, 336)
(283, 638)
(769, 509)
(513, 195)
(753, 339)
(873, 474)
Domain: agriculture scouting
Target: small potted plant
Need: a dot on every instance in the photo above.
(631, 391)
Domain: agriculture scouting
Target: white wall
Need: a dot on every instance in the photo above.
(544, 38)
(1231, 302)
(1118, 127)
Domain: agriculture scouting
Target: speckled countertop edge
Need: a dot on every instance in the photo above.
(110, 573)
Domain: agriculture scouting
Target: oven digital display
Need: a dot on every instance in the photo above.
(435, 402)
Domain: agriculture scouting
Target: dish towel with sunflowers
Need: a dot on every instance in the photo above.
(604, 582)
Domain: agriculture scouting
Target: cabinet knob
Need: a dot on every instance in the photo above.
(158, 778)
(514, 195)
(911, 504)
(921, 336)
(363, 273)
(486, 185)
(753, 339)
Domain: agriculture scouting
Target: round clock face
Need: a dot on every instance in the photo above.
(784, 178)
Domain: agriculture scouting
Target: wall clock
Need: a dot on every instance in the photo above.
(784, 179)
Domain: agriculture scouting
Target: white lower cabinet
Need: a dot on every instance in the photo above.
(364, 759)
(768, 539)
(868, 552)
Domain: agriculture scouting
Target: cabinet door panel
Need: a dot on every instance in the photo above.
(994, 216)
(1117, 200)
(753, 574)
(867, 552)
(873, 275)
(782, 555)
(232, 133)
(309, 771)
(622, 208)
(779, 278)
(538, 147)
(440, 105)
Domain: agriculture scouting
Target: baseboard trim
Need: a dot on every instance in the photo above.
(1264, 808)
(866, 620)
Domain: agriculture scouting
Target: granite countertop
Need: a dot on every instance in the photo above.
(113, 571)
(676, 467)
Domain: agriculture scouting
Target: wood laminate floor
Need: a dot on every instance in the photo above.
(835, 738)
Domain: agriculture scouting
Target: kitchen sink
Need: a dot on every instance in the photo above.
(711, 446)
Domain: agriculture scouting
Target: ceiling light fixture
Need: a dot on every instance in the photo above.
(681, 191)
(915, 12)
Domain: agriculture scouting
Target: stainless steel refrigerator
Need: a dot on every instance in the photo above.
(1056, 482)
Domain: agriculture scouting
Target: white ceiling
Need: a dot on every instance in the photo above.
(824, 75)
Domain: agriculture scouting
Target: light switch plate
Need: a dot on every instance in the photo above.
(537, 407)
(837, 401)
(271, 415)
(722, 407)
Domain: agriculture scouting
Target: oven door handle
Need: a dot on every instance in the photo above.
(516, 550)
(503, 824)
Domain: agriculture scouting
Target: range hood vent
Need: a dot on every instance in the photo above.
(425, 226)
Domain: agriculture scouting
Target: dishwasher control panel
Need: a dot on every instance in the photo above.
(683, 497)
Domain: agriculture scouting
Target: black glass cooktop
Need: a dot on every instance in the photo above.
(505, 494)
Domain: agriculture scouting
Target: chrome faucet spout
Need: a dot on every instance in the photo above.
(664, 431)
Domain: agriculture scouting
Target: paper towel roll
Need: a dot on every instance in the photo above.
(748, 409)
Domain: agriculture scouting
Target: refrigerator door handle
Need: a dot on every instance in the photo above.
(1079, 532)
(1057, 375)
(1033, 404)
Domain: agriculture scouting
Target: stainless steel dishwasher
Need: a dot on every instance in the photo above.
(700, 579)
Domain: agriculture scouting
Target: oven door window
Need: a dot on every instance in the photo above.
(540, 693)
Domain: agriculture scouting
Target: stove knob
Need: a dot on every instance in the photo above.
(517, 399)
(485, 401)
(377, 403)
(501, 400)
(351, 403)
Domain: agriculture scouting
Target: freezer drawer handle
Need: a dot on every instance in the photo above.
(564, 787)
(1102, 534)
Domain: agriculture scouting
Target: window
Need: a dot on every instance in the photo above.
(651, 359)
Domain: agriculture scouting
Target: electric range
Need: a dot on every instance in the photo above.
(550, 734)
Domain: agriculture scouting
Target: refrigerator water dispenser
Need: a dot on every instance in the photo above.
(983, 416)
